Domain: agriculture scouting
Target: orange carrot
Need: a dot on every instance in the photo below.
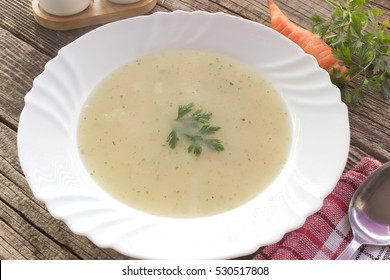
(308, 41)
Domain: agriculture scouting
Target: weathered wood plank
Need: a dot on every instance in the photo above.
(8, 251)
(253, 10)
(19, 65)
(370, 135)
(17, 235)
(196, 5)
(17, 17)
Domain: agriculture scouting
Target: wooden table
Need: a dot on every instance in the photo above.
(27, 230)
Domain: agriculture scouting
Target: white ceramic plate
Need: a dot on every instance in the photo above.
(48, 146)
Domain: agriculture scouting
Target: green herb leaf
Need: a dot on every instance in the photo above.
(172, 139)
(201, 116)
(214, 144)
(196, 129)
(362, 43)
(208, 129)
(184, 110)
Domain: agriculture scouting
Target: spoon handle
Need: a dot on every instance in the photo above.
(350, 250)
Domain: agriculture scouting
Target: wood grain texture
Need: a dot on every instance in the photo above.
(27, 230)
(19, 65)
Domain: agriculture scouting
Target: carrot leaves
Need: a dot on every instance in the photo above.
(362, 43)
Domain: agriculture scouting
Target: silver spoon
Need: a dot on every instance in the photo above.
(369, 212)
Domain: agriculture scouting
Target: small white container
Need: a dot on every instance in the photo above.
(123, 1)
(64, 7)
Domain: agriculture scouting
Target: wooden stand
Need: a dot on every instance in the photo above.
(99, 12)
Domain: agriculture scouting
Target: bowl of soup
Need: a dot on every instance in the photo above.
(183, 136)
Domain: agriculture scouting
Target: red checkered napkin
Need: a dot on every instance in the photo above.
(326, 233)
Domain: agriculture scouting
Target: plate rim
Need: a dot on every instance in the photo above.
(47, 198)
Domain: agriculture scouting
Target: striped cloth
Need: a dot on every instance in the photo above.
(326, 233)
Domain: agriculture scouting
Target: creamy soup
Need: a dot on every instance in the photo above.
(124, 125)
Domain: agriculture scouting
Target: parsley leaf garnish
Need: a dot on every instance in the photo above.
(196, 129)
